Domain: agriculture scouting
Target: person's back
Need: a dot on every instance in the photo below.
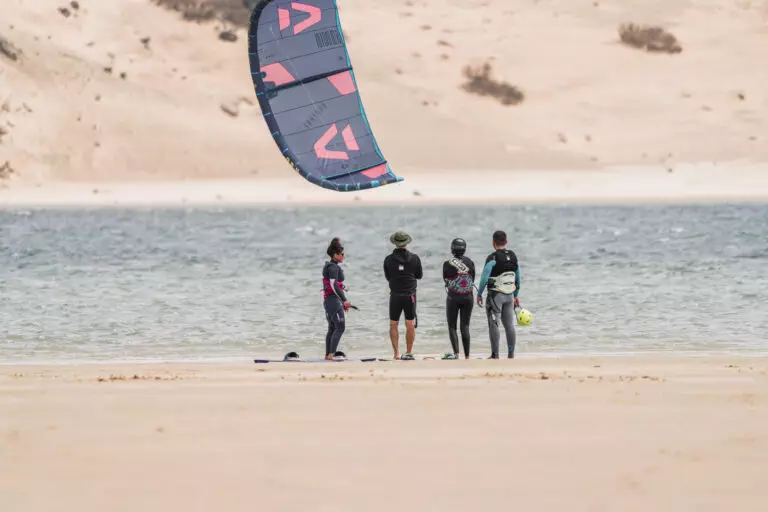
(504, 265)
(459, 277)
(502, 275)
(402, 269)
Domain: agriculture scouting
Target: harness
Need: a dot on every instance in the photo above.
(462, 283)
(504, 281)
(327, 285)
(328, 289)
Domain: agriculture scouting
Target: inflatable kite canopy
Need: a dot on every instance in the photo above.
(308, 95)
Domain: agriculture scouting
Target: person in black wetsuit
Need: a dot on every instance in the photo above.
(459, 276)
(402, 269)
(334, 299)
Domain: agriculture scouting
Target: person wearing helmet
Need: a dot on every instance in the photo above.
(334, 299)
(502, 275)
(459, 276)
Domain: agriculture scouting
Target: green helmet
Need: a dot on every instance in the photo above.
(524, 317)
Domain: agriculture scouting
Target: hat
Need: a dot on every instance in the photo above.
(400, 239)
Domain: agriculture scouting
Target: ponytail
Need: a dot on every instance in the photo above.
(334, 248)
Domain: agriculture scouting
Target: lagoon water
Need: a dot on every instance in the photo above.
(237, 283)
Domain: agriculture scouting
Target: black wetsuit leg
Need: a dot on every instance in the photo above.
(452, 315)
(334, 313)
(455, 307)
(466, 315)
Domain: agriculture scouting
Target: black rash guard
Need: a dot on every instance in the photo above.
(403, 270)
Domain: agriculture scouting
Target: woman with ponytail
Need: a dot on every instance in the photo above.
(334, 300)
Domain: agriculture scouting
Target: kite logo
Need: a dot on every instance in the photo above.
(276, 73)
(284, 17)
(321, 146)
(327, 38)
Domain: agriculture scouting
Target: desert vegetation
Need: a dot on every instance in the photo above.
(236, 12)
(6, 171)
(648, 38)
(8, 50)
(480, 82)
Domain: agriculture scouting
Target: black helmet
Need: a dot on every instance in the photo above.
(458, 247)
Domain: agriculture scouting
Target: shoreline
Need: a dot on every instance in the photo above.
(214, 362)
(691, 184)
(638, 362)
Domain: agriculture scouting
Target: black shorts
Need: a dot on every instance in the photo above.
(399, 304)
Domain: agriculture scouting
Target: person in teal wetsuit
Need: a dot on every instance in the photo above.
(502, 276)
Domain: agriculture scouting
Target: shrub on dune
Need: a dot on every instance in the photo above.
(480, 82)
(650, 39)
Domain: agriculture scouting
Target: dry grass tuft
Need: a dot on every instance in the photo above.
(480, 82)
(650, 39)
(6, 171)
(8, 50)
(236, 12)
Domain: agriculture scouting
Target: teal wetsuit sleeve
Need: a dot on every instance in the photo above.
(517, 281)
(486, 274)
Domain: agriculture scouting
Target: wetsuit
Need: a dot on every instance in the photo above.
(333, 301)
(402, 269)
(459, 275)
(500, 302)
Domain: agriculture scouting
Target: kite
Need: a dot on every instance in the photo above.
(308, 95)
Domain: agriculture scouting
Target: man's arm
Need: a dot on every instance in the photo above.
(419, 273)
(517, 280)
(386, 272)
(484, 279)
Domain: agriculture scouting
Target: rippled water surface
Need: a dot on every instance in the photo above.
(237, 283)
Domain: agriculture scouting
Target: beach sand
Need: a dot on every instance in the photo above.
(598, 434)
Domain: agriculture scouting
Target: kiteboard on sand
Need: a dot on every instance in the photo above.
(308, 95)
(293, 357)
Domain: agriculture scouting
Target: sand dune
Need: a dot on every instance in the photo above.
(90, 99)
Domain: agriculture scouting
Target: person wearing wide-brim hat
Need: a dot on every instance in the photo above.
(402, 269)
(400, 239)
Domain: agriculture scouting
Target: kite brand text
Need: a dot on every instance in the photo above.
(321, 107)
(295, 167)
(327, 38)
